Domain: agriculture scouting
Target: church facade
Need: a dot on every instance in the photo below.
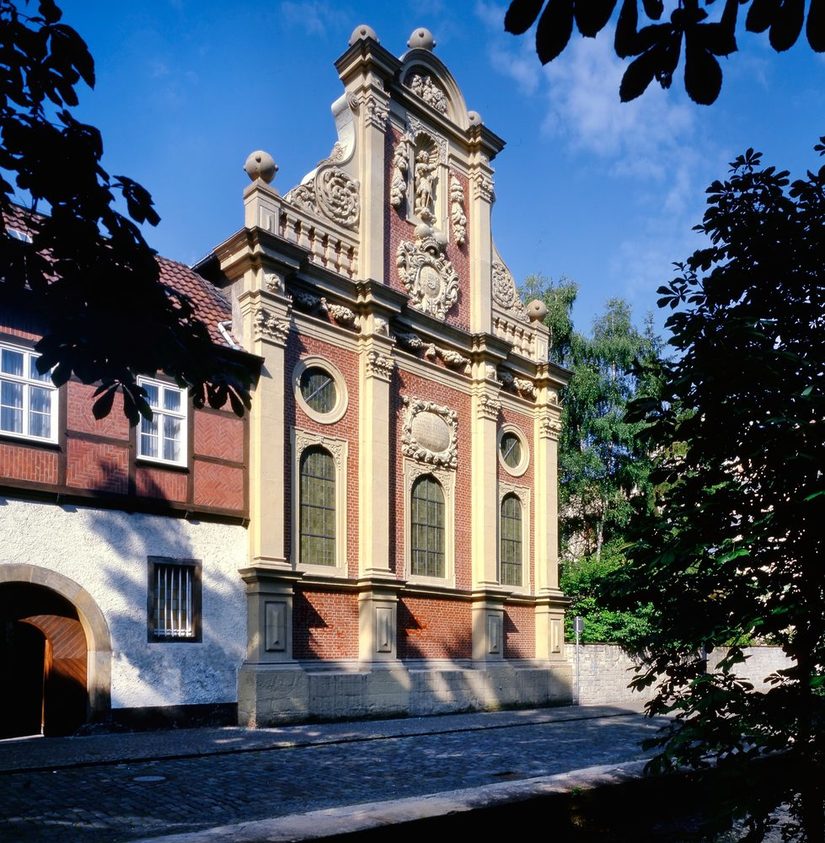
(384, 540)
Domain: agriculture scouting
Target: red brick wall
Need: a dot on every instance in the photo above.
(19, 462)
(524, 423)
(161, 483)
(97, 467)
(414, 386)
(325, 625)
(519, 632)
(218, 485)
(434, 628)
(219, 435)
(79, 403)
(298, 347)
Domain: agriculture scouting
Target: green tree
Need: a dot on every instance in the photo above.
(657, 46)
(88, 271)
(735, 544)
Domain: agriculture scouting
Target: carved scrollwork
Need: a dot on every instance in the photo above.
(424, 270)
(379, 365)
(376, 108)
(267, 325)
(332, 193)
(426, 88)
(457, 216)
(337, 447)
(505, 294)
(429, 433)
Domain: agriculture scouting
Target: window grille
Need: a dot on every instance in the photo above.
(174, 600)
(511, 541)
(427, 525)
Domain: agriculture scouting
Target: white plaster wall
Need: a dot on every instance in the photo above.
(105, 552)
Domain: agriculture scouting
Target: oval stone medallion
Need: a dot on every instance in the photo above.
(431, 431)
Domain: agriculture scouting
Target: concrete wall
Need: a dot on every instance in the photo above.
(606, 671)
(105, 552)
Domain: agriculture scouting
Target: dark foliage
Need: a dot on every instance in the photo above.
(657, 44)
(735, 544)
(94, 279)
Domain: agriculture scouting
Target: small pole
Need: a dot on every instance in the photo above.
(578, 626)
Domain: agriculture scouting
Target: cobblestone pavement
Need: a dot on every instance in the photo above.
(119, 787)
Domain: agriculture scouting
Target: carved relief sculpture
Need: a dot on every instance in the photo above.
(505, 294)
(400, 168)
(424, 270)
(332, 193)
(267, 325)
(425, 87)
(429, 433)
(425, 176)
(457, 216)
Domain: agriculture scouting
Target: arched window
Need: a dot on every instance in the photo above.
(427, 527)
(317, 505)
(510, 529)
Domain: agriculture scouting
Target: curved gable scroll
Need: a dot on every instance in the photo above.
(428, 78)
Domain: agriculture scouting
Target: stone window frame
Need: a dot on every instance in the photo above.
(412, 470)
(300, 440)
(523, 494)
(514, 471)
(313, 361)
(159, 414)
(27, 382)
(194, 567)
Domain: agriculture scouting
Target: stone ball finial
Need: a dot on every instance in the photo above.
(361, 32)
(474, 118)
(422, 39)
(260, 165)
(536, 310)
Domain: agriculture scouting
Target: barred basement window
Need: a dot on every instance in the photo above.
(28, 400)
(510, 553)
(317, 496)
(174, 599)
(427, 528)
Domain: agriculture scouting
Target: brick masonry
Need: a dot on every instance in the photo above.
(433, 628)
(519, 632)
(325, 625)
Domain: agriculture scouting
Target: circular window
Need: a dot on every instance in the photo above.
(512, 451)
(320, 390)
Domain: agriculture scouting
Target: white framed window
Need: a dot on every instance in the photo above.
(513, 452)
(429, 524)
(164, 438)
(174, 599)
(514, 537)
(28, 400)
(319, 503)
(320, 389)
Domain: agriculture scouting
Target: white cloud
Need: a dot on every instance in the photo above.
(313, 17)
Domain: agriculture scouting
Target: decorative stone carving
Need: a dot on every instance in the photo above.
(525, 387)
(379, 365)
(409, 341)
(339, 313)
(267, 325)
(506, 377)
(337, 447)
(332, 193)
(505, 294)
(488, 408)
(416, 129)
(274, 283)
(381, 326)
(429, 433)
(424, 270)
(308, 301)
(453, 359)
(376, 108)
(482, 186)
(424, 86)
(425, 178)
(457, 216)
(400, 169)
(550, 427)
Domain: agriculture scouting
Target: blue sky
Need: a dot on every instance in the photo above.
(587, 188)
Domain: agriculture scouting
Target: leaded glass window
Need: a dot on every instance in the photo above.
(511, 450)
(318, 389)
(317, 507)
(511, 541)
(427, 525)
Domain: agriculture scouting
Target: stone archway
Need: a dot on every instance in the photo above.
(50, 620)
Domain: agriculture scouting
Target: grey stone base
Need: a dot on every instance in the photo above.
(271, 693)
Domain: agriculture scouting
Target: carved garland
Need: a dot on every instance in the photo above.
(429, 277)
(413, 448)
(339, 313)
(457, 216)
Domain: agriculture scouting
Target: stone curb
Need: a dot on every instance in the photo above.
(350, 819)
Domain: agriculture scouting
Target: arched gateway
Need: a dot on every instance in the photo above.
(55, 654)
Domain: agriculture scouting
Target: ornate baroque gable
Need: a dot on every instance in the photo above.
(429, 277)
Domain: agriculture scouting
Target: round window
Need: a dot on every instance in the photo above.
(320, 390)
(512, 451)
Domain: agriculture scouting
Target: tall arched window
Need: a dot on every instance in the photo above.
(427, 526)
(317, 503)
(510, 528)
